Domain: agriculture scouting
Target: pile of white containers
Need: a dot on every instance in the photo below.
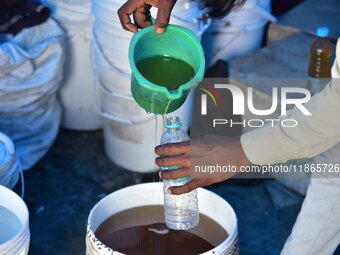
(75, 93)
(129, 132)
(238, 33)
(31, 70)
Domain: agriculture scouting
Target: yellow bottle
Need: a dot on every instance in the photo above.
(319, 69)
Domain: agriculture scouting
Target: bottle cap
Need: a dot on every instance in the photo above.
(322, 31)
(173, 122)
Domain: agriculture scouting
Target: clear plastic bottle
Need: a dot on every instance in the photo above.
(181, 211)
(319, 70)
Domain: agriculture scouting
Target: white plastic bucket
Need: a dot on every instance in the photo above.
(111, 67)
(130, 139)
(210, 204)
(10, 167)
(238, 33)
(75, 92)
(19, 244)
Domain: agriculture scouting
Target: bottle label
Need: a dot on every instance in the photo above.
(175, 168)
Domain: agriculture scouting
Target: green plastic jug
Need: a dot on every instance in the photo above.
(176, 42)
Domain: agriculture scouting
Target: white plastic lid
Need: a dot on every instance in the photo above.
(322, 31)
(6, 149)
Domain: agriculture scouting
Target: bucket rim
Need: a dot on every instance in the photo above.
(177, 93)
(25, 224)
(232, 236)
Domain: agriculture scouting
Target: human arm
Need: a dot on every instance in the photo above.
(313, 135)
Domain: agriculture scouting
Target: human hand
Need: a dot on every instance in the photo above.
(226, 152)
(140, 9)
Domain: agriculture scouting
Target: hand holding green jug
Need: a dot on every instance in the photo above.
(140, 9)
(164, 67)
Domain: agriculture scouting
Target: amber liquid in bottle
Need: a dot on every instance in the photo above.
(320, 61)
(319, 70)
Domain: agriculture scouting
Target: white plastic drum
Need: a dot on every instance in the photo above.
(148, 194)
(14, 224)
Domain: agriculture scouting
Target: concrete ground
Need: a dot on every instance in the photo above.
(63, 187)
(311, 14)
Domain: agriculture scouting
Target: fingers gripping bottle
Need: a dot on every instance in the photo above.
(181, 211)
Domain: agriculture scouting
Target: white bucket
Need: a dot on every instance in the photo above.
(10, 167)
(130, 133)
(19, 244)
(111, 67)
(238, 33)
(75, 93)
(210, 204)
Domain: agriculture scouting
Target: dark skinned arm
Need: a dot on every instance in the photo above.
(230, 152)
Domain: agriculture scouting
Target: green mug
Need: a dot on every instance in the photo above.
(176, 42)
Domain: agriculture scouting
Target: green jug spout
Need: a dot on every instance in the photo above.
(177, 42)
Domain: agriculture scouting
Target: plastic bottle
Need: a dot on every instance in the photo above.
(319, 70)
(181, 211)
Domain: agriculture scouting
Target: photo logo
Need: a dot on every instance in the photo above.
(213, 94)
(239, 99)
(243, 103)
